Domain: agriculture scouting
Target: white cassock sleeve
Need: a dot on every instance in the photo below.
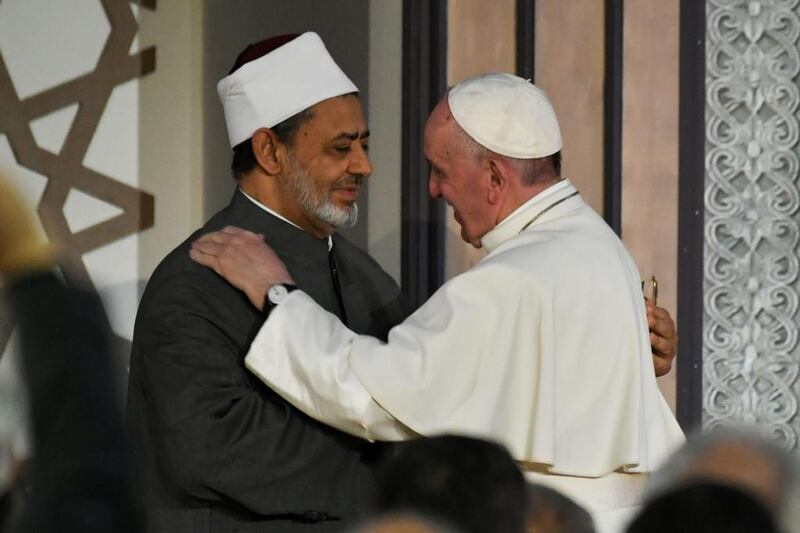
(466, 361)
(301, 353)
(547, 356)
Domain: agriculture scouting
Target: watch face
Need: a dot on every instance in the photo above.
(277, 293)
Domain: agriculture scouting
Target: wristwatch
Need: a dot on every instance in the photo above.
(276, 294)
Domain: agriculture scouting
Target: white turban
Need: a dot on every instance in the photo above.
(506, 114)
(280, 84)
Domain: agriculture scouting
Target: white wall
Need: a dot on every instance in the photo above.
(171, 158)
(385, 123)
(147, 138)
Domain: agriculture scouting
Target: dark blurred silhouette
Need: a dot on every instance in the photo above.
(740, 458)
(402, 523)
(549, 511)
(704, 507)
(77, 479)
(470, 483)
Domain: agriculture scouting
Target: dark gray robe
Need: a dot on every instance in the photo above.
(216, 449)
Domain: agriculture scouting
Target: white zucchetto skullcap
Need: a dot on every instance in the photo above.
(506, 114)
(280, 84)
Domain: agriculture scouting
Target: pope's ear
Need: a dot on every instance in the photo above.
(498, 180)
(267, 150)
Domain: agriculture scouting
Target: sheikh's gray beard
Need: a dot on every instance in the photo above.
(338, 217)
(317, 203)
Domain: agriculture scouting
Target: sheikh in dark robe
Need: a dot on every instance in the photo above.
(215, 448)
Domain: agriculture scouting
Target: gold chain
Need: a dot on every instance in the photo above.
(545, 210)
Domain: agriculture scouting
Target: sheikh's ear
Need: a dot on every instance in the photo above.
(267, 150)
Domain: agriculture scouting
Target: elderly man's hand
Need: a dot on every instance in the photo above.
(243, 259)
(663, 338)
(22, 247)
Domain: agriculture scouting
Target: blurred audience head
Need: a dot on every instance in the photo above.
(549, 511)
(402, 523)
(470, 483)
(742, 459)
(704, 507)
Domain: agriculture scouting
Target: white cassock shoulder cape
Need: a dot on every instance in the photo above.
(543, 346)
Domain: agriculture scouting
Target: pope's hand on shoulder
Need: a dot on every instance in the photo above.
(663, 337)
(243, 259)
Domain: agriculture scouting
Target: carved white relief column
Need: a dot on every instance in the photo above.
(751, 358)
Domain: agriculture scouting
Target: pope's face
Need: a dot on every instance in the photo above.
(328, 161)
(457, 177)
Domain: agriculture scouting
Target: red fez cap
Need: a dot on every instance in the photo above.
(261, 48)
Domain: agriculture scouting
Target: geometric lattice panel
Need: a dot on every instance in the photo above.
(751, 359)
(130, 209)
(50, 131)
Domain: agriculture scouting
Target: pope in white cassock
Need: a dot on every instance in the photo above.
(543, 345)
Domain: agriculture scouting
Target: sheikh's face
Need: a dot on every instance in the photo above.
(328, 161)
